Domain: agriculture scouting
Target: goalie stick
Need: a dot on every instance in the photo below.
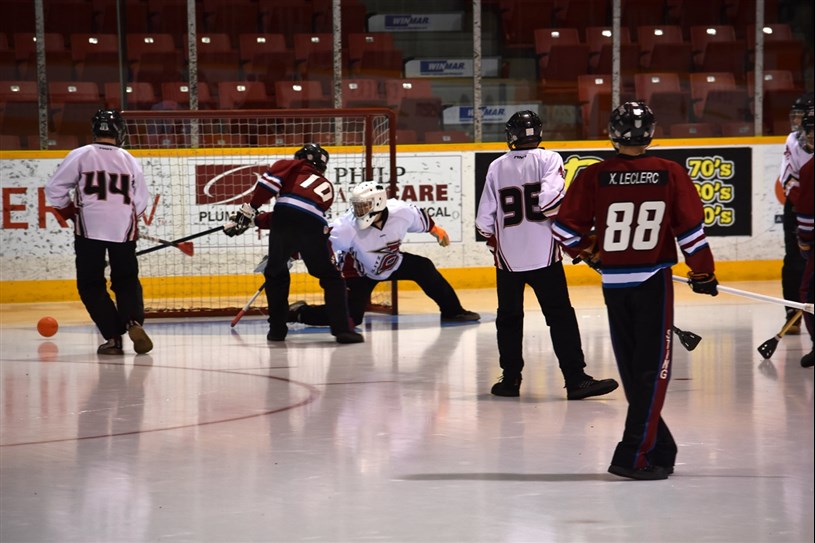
(767, 348)
(754, 295)
(258, 269)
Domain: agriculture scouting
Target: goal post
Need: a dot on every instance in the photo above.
(200, 166)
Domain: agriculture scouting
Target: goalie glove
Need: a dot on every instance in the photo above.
(241, 221)
(441, 235)
(703, 283)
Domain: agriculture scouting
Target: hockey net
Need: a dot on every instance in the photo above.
(200, 166)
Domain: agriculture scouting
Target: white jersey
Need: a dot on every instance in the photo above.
(376, 253)
(795, 156)
(523, 190)
(106, 183)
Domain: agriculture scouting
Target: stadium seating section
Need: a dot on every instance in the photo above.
(691, 60)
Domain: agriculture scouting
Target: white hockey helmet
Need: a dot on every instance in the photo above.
(368, 200)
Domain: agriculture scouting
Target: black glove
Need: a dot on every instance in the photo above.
(703, 283)
(241, 221)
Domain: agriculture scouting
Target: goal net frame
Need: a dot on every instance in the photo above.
(200, 166)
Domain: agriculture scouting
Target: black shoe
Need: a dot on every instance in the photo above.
(141, 341)
(276, 336)
(806, 360)
(294, 311)
(349, 337)
(464, 316)
(112, 346)
(651, 473)
(590, 387)
(507, 387)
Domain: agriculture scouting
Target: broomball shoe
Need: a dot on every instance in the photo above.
(113, 346)
(141, 341)
(463, 316)
(507, 386)
(650, 473)
(590, 387)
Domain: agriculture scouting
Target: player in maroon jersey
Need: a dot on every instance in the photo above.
(638, 204)
(804, 204)
(298, 225)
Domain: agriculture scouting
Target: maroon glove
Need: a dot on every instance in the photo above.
(264, 220)
(67, 213)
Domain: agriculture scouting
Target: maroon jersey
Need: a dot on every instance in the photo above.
(637, 206)
(805, 203)
(295, 183)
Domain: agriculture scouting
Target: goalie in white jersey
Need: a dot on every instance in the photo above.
(101, 188)
(369, 238)
(521, 196)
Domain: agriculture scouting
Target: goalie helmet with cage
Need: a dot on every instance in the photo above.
(314, 154)
(632, 124)
(108, 123)
(368, 200)
(798, 109)
(523, 128)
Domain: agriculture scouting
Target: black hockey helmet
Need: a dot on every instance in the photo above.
(806, 137)
(108, 123)
(802, 103)
(632, 124)
(522, 128)
(314, 154)
(808, 120)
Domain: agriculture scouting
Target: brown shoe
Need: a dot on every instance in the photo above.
(141, 341)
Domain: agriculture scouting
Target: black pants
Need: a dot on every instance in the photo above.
(413, 268)
(641, 323)
(792, 270)
(296, 231)
(549, 285)
(110, 318)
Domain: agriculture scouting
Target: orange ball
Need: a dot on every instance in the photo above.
(47, 326)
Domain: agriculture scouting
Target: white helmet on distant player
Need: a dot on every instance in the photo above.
(368, 200)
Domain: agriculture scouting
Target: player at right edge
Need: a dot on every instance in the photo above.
(621, 216)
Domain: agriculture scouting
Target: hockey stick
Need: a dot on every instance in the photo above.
(689, 340)
(180, 240)
(243, 311)
(258, 269)
(185, 247)
(767, 348)
(755, 296)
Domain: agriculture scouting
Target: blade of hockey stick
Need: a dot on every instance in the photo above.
(689, 340)
(180, 240)
(767, 348)
(243, 311)
(185, 247)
